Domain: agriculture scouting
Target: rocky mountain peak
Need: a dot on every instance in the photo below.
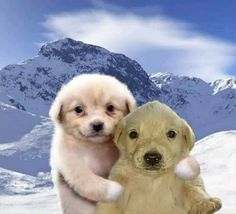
(68, 50)
(38, 79)
(223, 84)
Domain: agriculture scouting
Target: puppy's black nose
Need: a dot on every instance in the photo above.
(152, 158)
(98, 126)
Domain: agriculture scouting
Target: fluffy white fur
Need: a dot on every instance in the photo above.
(80, 158)
(187, 168)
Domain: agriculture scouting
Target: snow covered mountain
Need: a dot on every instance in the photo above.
(14, 183)
(29, 154)
(31, 86)
(208, 107)
(216, 153)
(15, 122)
(34, 82)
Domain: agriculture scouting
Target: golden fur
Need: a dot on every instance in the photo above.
(81, 158)
(155, 189)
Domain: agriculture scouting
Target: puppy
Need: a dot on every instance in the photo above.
(85, 114)
(152, 140)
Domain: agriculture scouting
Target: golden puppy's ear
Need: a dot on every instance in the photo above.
(188, 135)
(118, 133)
(130, 103)
(55, 111)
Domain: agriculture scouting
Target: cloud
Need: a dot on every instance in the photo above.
(157, 42)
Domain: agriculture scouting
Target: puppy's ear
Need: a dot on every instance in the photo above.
(55, 111)
(188, 135)
(130, 103)
(118, 133)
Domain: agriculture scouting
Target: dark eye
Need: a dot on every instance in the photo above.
(133, 134)
(79, 109)
(110, 108)
(171, 134)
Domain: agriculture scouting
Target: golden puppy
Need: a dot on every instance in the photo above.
(152, 140)
(85, 113)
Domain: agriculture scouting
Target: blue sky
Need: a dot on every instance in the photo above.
(186, 37)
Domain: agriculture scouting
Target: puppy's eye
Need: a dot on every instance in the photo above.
(79, 109)
(110, 108)
(133, 134)
(171, 134)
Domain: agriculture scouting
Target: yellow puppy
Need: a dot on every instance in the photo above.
(152, 141)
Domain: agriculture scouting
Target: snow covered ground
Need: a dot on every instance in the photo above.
(217, 156)
(44, 202)
(216, 153)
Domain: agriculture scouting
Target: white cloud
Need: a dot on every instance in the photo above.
(157, 42)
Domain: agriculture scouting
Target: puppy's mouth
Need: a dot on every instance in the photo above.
(153, 168)
(94, 135)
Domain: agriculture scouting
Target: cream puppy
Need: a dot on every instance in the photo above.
(85, 114)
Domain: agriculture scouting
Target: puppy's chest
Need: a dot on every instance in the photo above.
(100, 158)
(152, 196)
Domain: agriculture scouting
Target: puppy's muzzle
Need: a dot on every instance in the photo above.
(152, 158)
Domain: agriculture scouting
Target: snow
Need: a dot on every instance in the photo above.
(30, 154)
(14, 183)
(15, 123)
(216, 154)
(220, 85)
(39, 203)
(207, 108)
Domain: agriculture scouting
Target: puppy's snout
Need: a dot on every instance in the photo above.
(97, 126)
(152, 158)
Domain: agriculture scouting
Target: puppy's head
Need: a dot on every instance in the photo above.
(90, 106)
(154, 138)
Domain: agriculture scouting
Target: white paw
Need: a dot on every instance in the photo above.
(188, 168)
(114, 191)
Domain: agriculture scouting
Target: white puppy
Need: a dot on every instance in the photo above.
(85, 113)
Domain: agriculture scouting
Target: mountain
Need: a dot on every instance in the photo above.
(216, 154)
(14, 183)
(208, 107)
(28, 88)
(35, 82)
(24, 194)
(29, 154)
(14, 121)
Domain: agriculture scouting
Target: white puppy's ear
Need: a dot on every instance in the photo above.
(130, 102)
(188, 135)
(55, 110)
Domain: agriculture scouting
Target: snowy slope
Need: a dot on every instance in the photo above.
(217, 156)
(24, 194)
(14, 122)
(30, 154)
(207, 107)
(44, 202)
(14, 183)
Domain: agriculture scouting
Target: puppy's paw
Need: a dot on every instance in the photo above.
(113, 192)
(206, 206)
(188, 168)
